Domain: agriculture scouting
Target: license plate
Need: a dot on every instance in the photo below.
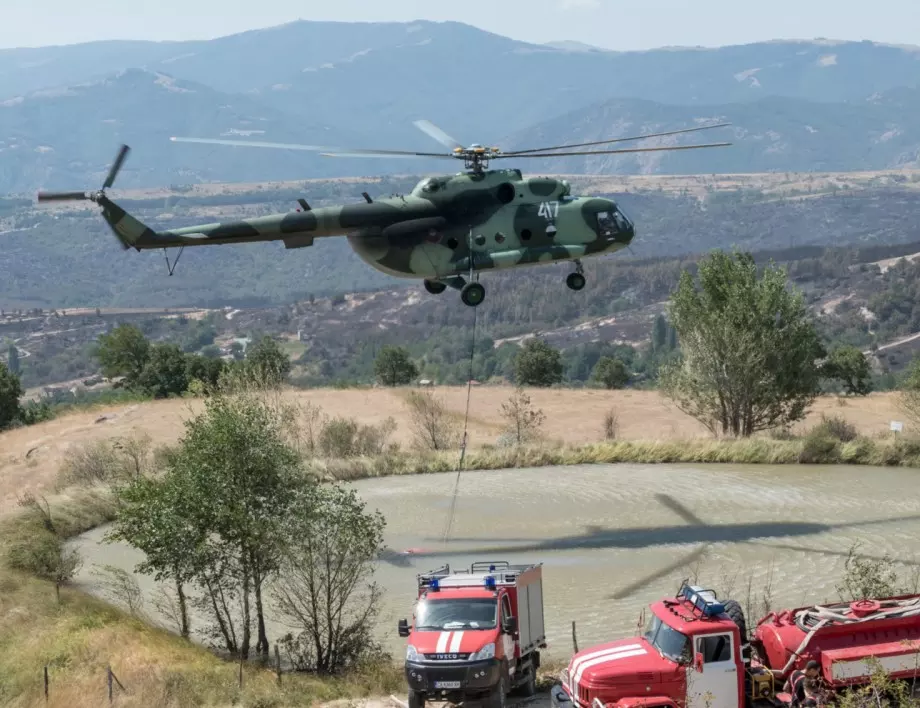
(447, 684)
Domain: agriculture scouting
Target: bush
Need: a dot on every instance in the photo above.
(431, 422)
(611, 425)
(345, 437)
(819, 448)
(836, 427)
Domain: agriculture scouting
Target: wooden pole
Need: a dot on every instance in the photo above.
(278, 663)
(109, 677)
(574, 637)
(46, 683)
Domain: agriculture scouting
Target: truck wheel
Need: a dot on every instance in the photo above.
(529, 687)
(733, 610)
(416, 699)
(499, 696)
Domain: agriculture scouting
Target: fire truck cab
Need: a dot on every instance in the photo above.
(695, 653)
(475, 634)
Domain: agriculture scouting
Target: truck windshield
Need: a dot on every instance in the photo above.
(671, 643)
(433, 615)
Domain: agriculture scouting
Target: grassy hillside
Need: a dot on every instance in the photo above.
(31, 457)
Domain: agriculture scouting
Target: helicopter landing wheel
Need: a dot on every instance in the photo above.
(434, 287)
(576, 281)
(472, 294)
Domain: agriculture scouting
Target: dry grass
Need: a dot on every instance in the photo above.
(79, 638)
(30, 458)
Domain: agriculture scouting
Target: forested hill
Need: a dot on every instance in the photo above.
(868, 297)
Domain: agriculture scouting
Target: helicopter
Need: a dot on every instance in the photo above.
(446, 231)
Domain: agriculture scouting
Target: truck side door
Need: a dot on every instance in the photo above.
(506, 639)
(716, 686)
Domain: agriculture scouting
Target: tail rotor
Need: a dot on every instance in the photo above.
(97, 196)
(90, 196)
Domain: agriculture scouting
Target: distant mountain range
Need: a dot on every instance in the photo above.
(794, 105)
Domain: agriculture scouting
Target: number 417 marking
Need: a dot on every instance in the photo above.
(549, 210)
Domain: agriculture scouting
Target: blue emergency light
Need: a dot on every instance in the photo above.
(433, 585)
(492, 568)
(490, 582)
(709, 608)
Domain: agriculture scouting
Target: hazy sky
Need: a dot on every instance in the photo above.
(615, 24)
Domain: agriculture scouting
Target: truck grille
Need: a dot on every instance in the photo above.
(447, 657)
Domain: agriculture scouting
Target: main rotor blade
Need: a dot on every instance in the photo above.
(252, 143)
(325, 149)
(435, 132)
(61, 196)
(373, 153)
(620, 140)
(116, 166)
(609, 152)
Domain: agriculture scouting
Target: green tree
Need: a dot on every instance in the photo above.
(216, 514)
(10, 393)
(749, 348)
(164, 374)
(325, 585)
(123, 352)
(205, 369)
(537, 364)
(850, 366)
(266, 362)
(610, 372)
(393, 367)
(12, 359)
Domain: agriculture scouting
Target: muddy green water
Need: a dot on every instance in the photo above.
(610, 543)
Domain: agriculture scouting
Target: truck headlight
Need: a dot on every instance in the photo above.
(487, 652)
(412, 654)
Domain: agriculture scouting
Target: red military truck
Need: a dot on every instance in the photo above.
(475, 634)
(695, 653)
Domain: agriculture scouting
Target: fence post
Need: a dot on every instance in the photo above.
(46, 683)
(108, 671)
(278, 663)
(574, 637)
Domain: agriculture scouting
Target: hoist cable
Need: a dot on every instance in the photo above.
(466, 419)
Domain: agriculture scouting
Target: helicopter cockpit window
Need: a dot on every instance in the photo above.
(606, 222)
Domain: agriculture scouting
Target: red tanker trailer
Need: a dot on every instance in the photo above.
(695, 653)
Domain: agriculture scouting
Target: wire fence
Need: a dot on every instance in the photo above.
(112, 681)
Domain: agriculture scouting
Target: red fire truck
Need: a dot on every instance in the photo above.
(695, 653)
(475, 634)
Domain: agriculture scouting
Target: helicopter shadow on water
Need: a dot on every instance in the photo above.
(694, 531)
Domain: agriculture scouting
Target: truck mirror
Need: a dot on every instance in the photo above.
(698, 663)
(403, 628)
(510, 625)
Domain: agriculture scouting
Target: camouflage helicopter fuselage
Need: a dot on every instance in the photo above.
(446, 228)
